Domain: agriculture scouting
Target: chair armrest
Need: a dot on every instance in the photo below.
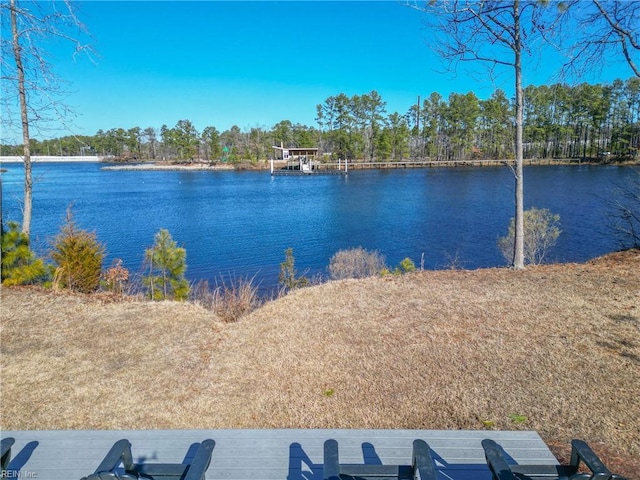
(120, 452)
(5, 452)
(580, 451)
(496, 461)
(331, 460)
(201, 461)
(422, 462)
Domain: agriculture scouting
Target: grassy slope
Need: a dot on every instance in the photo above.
(557, 344)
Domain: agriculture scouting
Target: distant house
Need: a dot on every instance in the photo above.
(297, 158)
(294, 153)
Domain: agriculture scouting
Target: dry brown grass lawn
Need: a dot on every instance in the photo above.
(558, 346)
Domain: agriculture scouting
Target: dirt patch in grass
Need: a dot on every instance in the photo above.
(553, 348)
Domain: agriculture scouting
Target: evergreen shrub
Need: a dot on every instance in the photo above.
(288, 276)
(78, 257)
(405, 266)
(19, 263)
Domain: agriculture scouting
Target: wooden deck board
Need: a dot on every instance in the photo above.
(267, 454)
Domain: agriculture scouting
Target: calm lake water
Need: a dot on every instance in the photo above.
(240, 223)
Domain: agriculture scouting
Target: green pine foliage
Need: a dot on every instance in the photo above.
(166, 264)
(19, 263)
(460, 127)
(77, 255)
(406, 266)
(288, 277)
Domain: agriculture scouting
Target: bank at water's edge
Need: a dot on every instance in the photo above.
(361, 165)
(266, 165)
(552, 348)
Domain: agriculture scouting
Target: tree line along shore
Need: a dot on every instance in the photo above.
(199, 164)
(585, 121)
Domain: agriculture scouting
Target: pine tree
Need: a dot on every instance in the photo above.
(288, 276)
(19, 264)
(167, 265)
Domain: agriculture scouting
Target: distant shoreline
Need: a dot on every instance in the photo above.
(155, 166)
(200, 166)
(49, 159)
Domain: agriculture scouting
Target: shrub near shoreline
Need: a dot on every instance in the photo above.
(77, 256)
(20, 266)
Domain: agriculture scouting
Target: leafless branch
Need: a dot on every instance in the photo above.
(38, 24)
(625, 36)
(611, 30)
(480, 31)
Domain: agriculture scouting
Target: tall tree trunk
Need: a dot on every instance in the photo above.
(28, 182)
(518, 247)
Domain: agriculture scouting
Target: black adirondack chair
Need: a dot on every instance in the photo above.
(5, 452)
(581, 453)
(422, 466)
(120, 453)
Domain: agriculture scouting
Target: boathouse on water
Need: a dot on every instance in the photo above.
(302, 159)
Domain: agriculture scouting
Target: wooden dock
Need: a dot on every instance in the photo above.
(409, 164)
(404, 164)
(265, 454)
(339, 168)
(300, 173)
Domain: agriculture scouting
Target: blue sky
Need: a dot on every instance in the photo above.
(254, 63)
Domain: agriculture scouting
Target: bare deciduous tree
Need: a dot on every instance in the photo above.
(29, 83)
(498, 34)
